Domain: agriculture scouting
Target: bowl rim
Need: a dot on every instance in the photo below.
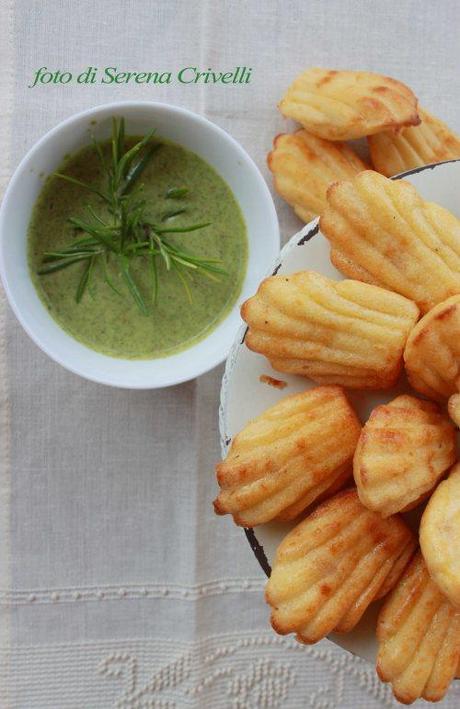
(203, 365)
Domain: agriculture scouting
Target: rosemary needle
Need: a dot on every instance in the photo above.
(176, 193)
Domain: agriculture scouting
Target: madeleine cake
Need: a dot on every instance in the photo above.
(396, 151)
(440, 536)
(347, 332)
(283, 460)
(304, 166)
(330, 567)
(404, 449)
(418, 631)
(382, 232)
(342, 105)
(432, 352)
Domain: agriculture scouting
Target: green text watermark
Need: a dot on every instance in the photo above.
(114, 75)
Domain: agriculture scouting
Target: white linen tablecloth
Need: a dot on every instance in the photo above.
(118, 586)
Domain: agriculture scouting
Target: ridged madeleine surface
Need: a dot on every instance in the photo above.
(403, 450)
(382, 232)
(284, 460)
(333, 565)
(418, 631)
(432, 352)
(432, 141)
(342, 105)
(453, 406)
(304, 166)
(335, 332)
(440, 536)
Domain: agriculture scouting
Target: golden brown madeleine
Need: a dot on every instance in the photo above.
(335, 332)
(403, 450)
(432, 352)
(284, 459)
(381, 231)
(396, 151)
(440, 536)
(333, 565)
(304, 166)
(342, 105)
(419, 637)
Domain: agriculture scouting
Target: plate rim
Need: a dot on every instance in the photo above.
(298, 239)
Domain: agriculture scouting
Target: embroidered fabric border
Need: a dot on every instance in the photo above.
(131, 591)
(240, 670)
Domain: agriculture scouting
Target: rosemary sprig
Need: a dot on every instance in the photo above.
(127, 234)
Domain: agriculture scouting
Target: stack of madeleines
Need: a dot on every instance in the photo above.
(308, 458)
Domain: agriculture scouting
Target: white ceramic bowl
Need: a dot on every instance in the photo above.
(195, 133)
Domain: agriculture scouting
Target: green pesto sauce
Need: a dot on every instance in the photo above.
(112, 324)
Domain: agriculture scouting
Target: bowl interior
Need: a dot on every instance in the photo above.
(244, 396)
(194, 133)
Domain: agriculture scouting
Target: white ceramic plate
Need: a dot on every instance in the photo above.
(243, 396)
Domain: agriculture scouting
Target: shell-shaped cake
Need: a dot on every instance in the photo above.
(342, 105)
(334, 332)
(404, 449)
(440, 536)
(381, 231)
(283, 460)
(333, 565)
(432, 141)
(304, 166)
(418, 631)
(432, 352)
